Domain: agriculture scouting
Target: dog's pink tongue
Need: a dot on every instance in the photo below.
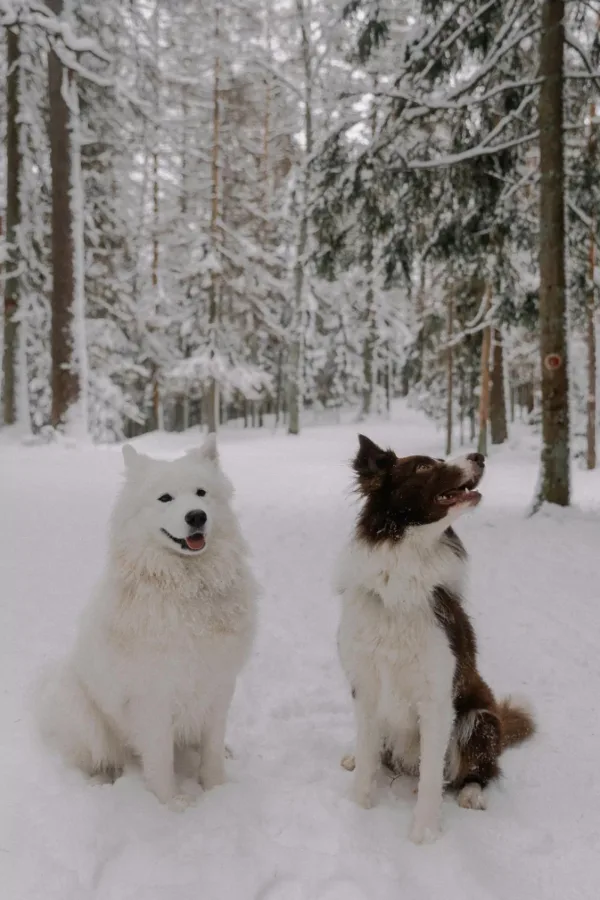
(195, 541)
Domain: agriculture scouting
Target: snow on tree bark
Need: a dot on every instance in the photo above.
(13, 218)
(590, 309)
(77, 422)
(591, 350)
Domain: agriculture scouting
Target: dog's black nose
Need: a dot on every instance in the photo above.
(478, 458)
(196, 518)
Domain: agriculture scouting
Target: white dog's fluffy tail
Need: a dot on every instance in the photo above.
(70, 723)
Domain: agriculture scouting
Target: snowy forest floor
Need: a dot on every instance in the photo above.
(283, 827)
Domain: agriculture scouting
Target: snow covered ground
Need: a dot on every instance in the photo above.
(283, 827)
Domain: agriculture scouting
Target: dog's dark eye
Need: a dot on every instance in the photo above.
(424, 467)
(200, 492)
(166, 498)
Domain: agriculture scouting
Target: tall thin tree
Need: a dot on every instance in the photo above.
(212, 395)
(498, 424)
(484, 384)
(157, 406)
(554, 483)
(13, 216)
(449, 375)
(590, 309)
(295, 391)
(65, 378)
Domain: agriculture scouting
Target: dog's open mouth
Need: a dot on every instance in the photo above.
(466, 493)
(193, 542)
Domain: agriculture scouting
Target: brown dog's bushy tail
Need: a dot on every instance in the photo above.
(517, 722)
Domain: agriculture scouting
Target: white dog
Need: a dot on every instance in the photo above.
(153, 670)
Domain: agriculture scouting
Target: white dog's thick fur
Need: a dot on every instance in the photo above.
(154, 666)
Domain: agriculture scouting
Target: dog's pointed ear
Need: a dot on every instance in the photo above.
(133, 460)
(131, 457)
(208, 450)
(371, 459)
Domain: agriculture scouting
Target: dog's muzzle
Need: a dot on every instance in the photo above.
(194, 542)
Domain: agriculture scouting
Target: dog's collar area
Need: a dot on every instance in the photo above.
(197, 540)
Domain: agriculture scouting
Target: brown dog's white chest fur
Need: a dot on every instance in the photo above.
(393, 651)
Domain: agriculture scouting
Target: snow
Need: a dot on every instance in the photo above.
(283, 827)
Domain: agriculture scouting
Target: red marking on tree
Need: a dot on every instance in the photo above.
(553, 361)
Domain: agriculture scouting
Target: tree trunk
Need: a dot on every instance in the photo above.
(212, 394)
(155, 260)
(591, 348)
(555, 462)
(155, 158)
(529, 397)
(65, 380)
(78, 419)
(295, 392)
(472, 386)
(484, 395)
(461, 406)
(498, 425)
(591, 315)
(295, 387)
(155, 212)
(389, 377)
(279, 389)
(157, 407)
(265, 160)
(13, 218)
(211, 406)
(177, 414)
(370, 343)
(369, 378)
(420, 318)
(449, 375)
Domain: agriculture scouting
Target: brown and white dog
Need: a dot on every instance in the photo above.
(407, 645)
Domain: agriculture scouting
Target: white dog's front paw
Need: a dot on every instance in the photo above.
(176, 797)
(181, 802)
(425, 829)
